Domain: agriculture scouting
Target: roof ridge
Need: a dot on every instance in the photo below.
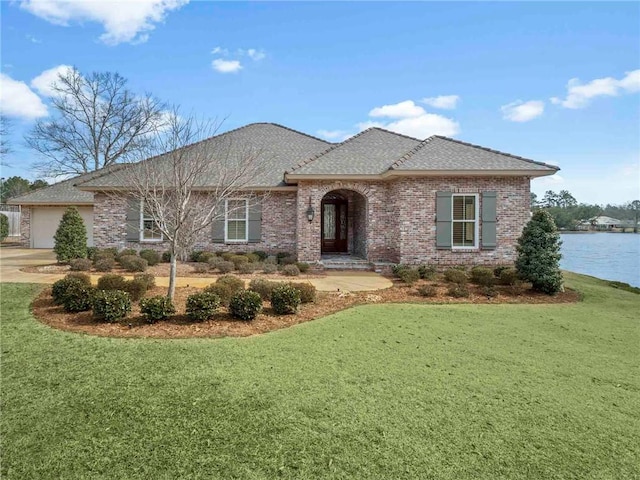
(292, 130)
(395, 133)
(332, 147)
(411, 152)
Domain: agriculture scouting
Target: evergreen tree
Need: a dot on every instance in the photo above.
(4, 227)
(71, 237)
(539, 254)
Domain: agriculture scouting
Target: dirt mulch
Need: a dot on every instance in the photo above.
(223, 325)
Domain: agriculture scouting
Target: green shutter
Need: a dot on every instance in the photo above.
(443, 220)
(255, 222)
(488, 220)
(133, 220)
(217, 226)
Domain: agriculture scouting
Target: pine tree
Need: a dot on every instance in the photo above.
(539, 254)
(71, 237)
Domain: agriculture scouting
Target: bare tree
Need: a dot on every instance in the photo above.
(5, 145)
(97, 122)
(185, 190)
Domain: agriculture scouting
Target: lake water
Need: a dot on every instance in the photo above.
(612, 256)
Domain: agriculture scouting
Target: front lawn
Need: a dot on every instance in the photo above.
(380, 391)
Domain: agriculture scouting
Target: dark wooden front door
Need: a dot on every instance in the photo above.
(334, 225)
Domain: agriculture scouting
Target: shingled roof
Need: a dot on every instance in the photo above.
(277, 148)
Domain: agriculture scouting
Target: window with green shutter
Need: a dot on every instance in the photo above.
(464, 221)
(236, 220)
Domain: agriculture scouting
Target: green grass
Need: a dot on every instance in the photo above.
(385, 392)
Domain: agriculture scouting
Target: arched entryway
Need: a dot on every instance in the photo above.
(344, 224)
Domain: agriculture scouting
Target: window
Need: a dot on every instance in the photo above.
(149, 231)
(464, 223)
(236, 220)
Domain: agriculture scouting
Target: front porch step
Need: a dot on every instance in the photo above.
(346, 264)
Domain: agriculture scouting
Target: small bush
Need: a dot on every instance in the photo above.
(269, 268)
(226, 256)
(202, 306)
(235, 283)
(136, 289)
(247, 268)
(201, 267)
(107, 253)
(91, 253)
(225, 267)
(397, 269)
(516, 288)
(112, 282)
(156, 308)
(458, 290)
(223, 292)
(509, 276)
(271, 260)
(104, 264)
(409, 275)
(4, 227)
(166, 257)
(245, 305)
(83, 277)
(499, 269)
(239, 260)
(490, 291)
(77, 297)
(125, 253)
(70, 239)
(111, 305)
(455, 275)
(253, 258)
(303, 267)
(59, 289)
(80, 265)
(290, 271)
(482, 276)
(147, 278)
(290, 260)
(428, 290)
(262, 256)
(215, 261)
(195, 255)
(427, 272)
(205, 257)
(307, 292)
(263, 287)
(285, 299)
(132, 263)
(151, 256)
(281, 255)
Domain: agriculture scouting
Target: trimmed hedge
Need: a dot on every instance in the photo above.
(202, 306)
(151, 256)
(110, 305)
(307, 291)
(4, 227)
(112, 281)
(132, 263)
(482, 276)
(80, 265)
(455, 275)
(245, 305)
(290, 271)
(59, 289)
(70, 239)
(263, 287)
(77, 297)
(285, 299)
(157, 308)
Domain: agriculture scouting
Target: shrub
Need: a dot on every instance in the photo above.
(112, 282)
(271, 260)
(396, 269)
(269, 268)
(427, 272)
(166, 257)
(409, 275)
(539, 254)
(262, 256)
(60, 288)
(126, 252)
(482, 276)
(508, 276)
(306, 290)
(263, 287)
(455, 275)
(285, 299)
(490, 291)
(108, 254)
(215, 261)
(247, 268)
(156, 308)
(235, 283)
(516, 288)
(290, 271)
(77, 297)
(80, 264)
(70, 240)
(245, 305)
(223, 292)
(104, 264)
(132, 263)
(147, 278)
(202, 306)
(4, 227)
(289, 260)
(428, 290)
(303, 267)
(151, 256)
(110, 305)
(136, 289)
(225, 267)
(201, 267)
(499, 269)
(226, 256)
(239, 260)
(253, 258)
(83, 277)
(91, 253)
(205, 257)
(458, 290)
(281, 255)
(195, 255)
(623, 286)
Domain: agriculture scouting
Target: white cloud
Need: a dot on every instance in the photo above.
(219, 51)
(336, 135)
(256, 55)
(404, 109)
(123, 21)
(32, 39)
(520, 111)
(226, 66)
(45, 82)
(579, 95)
(18, 100)
(446, 102)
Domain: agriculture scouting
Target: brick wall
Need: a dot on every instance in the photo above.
(25, 227)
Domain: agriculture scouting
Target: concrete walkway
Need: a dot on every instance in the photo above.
(13, 259)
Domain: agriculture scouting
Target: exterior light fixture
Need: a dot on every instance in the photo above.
(310, 212)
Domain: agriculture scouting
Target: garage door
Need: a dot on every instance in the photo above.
(45, 222)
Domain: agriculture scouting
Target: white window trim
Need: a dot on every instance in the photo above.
(246, 220)
(142, 219)
(476, 229)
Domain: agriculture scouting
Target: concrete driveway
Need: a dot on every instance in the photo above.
(13, 259)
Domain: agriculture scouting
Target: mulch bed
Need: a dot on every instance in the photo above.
(223, 325)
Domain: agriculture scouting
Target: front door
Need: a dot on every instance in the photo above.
(334, 226)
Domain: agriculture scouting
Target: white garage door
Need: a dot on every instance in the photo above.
(45, 221)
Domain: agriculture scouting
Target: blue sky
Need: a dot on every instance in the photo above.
(555, 82)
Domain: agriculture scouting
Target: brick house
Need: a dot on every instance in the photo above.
(378, 196)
